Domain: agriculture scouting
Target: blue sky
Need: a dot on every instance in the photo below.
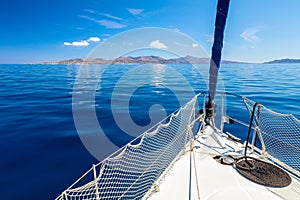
(35, 30)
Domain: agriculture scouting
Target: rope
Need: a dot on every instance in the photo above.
(234, 161)
(196, 176)
(192, 156)
(190, 178)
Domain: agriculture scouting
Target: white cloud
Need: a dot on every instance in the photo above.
(111, 16)
(81, 43)
(157, 44)
(110, 24)
(250, 35)
(106, 23)
(87, 17)
(67, 44)
(94, 39)
(89, 11)
(195, 45)
(135, 11)
(105, 35)
(209, 38)
(79, 28)
(174, 28)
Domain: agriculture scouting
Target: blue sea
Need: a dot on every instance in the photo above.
(44, 150)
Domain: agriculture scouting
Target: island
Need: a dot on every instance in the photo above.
(141, 60)
(283, 61)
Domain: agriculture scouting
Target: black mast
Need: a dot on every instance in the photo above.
(222, 11)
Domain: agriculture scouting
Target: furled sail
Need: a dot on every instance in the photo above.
(222, 11)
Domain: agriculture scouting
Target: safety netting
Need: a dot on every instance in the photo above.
(277, 135)
(133, 171)
(281, 137)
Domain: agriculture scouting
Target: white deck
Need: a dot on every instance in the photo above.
(216, 181)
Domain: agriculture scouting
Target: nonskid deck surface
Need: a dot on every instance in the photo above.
(216, 180)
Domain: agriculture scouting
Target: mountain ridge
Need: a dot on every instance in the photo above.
(141, 60)
(283, 61)
(159, 60)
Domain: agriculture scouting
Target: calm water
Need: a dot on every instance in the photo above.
(41, 152)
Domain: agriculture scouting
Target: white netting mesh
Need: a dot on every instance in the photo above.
(131, 173)
(281, 136)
